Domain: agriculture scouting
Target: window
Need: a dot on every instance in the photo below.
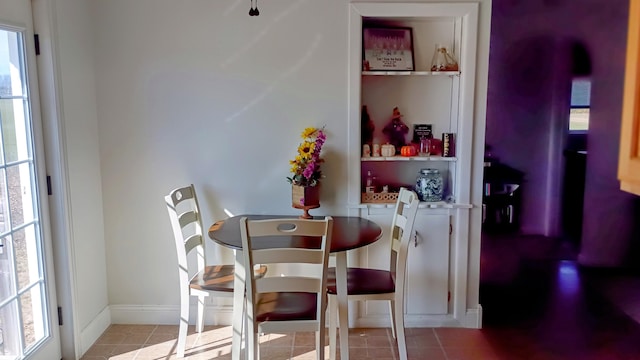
(580, 104)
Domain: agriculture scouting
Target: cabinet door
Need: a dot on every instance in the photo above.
(427, 289)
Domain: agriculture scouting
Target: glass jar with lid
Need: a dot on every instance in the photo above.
(429, 185)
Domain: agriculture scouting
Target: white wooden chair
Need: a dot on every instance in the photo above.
(284, 304)
(215, 280)
(374, 284)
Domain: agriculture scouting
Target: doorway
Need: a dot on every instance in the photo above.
(27, 288)
(575, 150)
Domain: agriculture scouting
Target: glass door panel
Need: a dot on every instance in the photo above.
(24, 312)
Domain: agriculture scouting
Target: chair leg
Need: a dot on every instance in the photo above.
(251, 332)
(320, 335)
(184, 324)
(245, 327)
(333, 327)
(392, 312)
(253, 349)
(320, 344)
(399, 322)
(200, 319)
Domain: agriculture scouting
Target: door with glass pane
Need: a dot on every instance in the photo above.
(27, 329)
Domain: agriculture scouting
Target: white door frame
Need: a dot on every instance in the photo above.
(55, 157)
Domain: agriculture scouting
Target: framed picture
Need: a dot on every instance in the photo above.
(387, 49)
(421, 131)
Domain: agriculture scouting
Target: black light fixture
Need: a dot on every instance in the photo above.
(253, 11)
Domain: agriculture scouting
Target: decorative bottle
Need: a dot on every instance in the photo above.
(429, 185)
(370, 186)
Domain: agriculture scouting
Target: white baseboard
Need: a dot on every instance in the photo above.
(473, 318)
(94, 330)
(418, 321)
(168, 314)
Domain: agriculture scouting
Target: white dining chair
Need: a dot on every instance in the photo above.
(215, 280)
(285, 304)
(375, 284)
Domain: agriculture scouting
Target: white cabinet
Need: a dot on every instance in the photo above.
(427, 291)
(448, 231)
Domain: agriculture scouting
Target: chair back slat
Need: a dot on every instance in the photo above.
(288, 284)
(192, 242)
(190, 218)
(290, 227)
(395, 245)
(278, 255)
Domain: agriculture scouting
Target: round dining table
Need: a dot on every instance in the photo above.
(349, 232)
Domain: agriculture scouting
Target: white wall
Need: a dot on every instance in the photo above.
(200, 92)
(193, 92)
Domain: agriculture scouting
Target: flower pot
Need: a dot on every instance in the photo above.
(305, 197)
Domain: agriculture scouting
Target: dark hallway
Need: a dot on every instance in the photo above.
(539, 304)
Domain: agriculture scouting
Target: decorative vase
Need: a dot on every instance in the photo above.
(305, 198)
(429, 185)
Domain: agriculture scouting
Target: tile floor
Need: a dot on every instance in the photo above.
(148, 342)
(538, 304)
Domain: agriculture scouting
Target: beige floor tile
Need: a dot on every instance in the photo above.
(126, 349)
(305, 339)
(431, 353)
(378, 342)
(135, 339)
(275, 353)
(156, 351)
(171, 329)
(470, 353)
(111, 338)
(458, 336)
(161, 338)
(99, 350)
(359, 341)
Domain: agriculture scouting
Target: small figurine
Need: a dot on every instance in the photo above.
(396, 130)
(366, 127)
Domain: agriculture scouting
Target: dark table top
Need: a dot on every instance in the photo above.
(349, 232)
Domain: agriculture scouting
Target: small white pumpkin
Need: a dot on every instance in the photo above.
(388, 150)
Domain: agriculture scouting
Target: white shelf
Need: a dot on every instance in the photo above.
(411, 73)
(408, 158)
(423, 205)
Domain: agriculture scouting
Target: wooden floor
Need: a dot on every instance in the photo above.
(537, 303)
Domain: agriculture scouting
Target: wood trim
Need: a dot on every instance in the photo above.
(629, 156)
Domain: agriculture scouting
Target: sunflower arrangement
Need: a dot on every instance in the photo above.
(306, 166)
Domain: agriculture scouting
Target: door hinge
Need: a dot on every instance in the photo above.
(36, 40)
(450, 229)
(59, 316)
(49, 192)
(449, 296)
